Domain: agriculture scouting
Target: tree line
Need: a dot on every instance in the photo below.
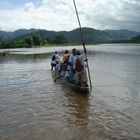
(35, 40)
(135, 39)
(32, 41)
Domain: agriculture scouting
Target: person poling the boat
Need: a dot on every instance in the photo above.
(76, 70)
(83, 43)
(80, 78)
(54, 59)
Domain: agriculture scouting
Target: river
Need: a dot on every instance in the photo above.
(33, 107)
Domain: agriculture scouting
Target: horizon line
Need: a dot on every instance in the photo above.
(69, 30)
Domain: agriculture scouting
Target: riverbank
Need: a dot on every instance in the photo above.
(65, 44)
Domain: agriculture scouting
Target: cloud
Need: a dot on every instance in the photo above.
(112, 14)
(60, 15)
(29, 7)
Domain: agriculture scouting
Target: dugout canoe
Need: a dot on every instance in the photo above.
(79, 89)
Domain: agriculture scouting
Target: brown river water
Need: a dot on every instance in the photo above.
(33, 107)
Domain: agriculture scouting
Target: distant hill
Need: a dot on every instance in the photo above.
(16, 34)
(90, 35)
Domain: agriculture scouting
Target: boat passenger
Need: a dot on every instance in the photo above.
(70, 67)
(65, 60)
(80, 78)
(58, 67)
(55, 57)
(63, 66)
(64, 63)
(71, 58)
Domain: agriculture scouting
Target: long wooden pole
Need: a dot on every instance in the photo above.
(83, 43)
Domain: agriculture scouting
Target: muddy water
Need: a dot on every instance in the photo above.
(33, 107)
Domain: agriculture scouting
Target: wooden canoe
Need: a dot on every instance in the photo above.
(79, 89)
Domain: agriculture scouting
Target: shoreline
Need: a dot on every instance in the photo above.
(4, 53)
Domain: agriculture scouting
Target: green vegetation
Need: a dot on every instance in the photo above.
(28, 42)
(36, 37)
(59, 39)
(33, 41)
(135, 39)
(36, 40)
(12, 44)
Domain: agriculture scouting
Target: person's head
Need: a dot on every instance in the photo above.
(55, 52)
(74, 51)
(78, 52)
(66, 52)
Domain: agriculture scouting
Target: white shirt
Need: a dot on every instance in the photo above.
(71, 59)
(57, 58)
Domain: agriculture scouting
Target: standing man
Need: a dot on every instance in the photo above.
(70, 67)
(80, 68)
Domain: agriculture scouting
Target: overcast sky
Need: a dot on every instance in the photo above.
(59, 15)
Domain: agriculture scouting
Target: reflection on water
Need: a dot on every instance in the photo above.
(78, 109)
(33, 107)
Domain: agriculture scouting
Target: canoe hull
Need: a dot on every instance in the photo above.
(76, 88)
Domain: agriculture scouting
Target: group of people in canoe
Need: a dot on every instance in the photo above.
(72, 67)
